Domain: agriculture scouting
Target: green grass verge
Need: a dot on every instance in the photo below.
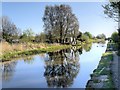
(10, 55)
(104, 69)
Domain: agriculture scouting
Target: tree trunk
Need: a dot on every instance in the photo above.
(61, 32)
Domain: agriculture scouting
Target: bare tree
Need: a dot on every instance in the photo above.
(9, 29)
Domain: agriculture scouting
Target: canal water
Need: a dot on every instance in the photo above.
(69, 68)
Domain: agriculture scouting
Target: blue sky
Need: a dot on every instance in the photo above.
(90, 15)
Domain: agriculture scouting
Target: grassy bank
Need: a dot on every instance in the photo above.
(19, 50)
(102, 76)
(98, 40)
(9, 51)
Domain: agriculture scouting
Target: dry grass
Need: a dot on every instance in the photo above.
(9, 51)
(6, 47)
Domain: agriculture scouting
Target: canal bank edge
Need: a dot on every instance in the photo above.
(102, 75)
(36, 49)
(10, 55)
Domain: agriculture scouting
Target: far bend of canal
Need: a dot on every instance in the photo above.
(69, 68)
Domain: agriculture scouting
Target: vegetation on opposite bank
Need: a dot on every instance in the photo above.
(17, 50)
(10, 51)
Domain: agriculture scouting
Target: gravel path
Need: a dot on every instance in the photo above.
(116, 70)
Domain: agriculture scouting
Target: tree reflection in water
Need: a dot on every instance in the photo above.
(29, 59)
(87, 47)
(8, 70)
(62, 67)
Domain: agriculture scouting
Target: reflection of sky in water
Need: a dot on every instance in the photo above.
(88, 62)
(31, 73)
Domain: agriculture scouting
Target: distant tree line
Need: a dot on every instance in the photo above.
(60, 26)
(12, 34)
